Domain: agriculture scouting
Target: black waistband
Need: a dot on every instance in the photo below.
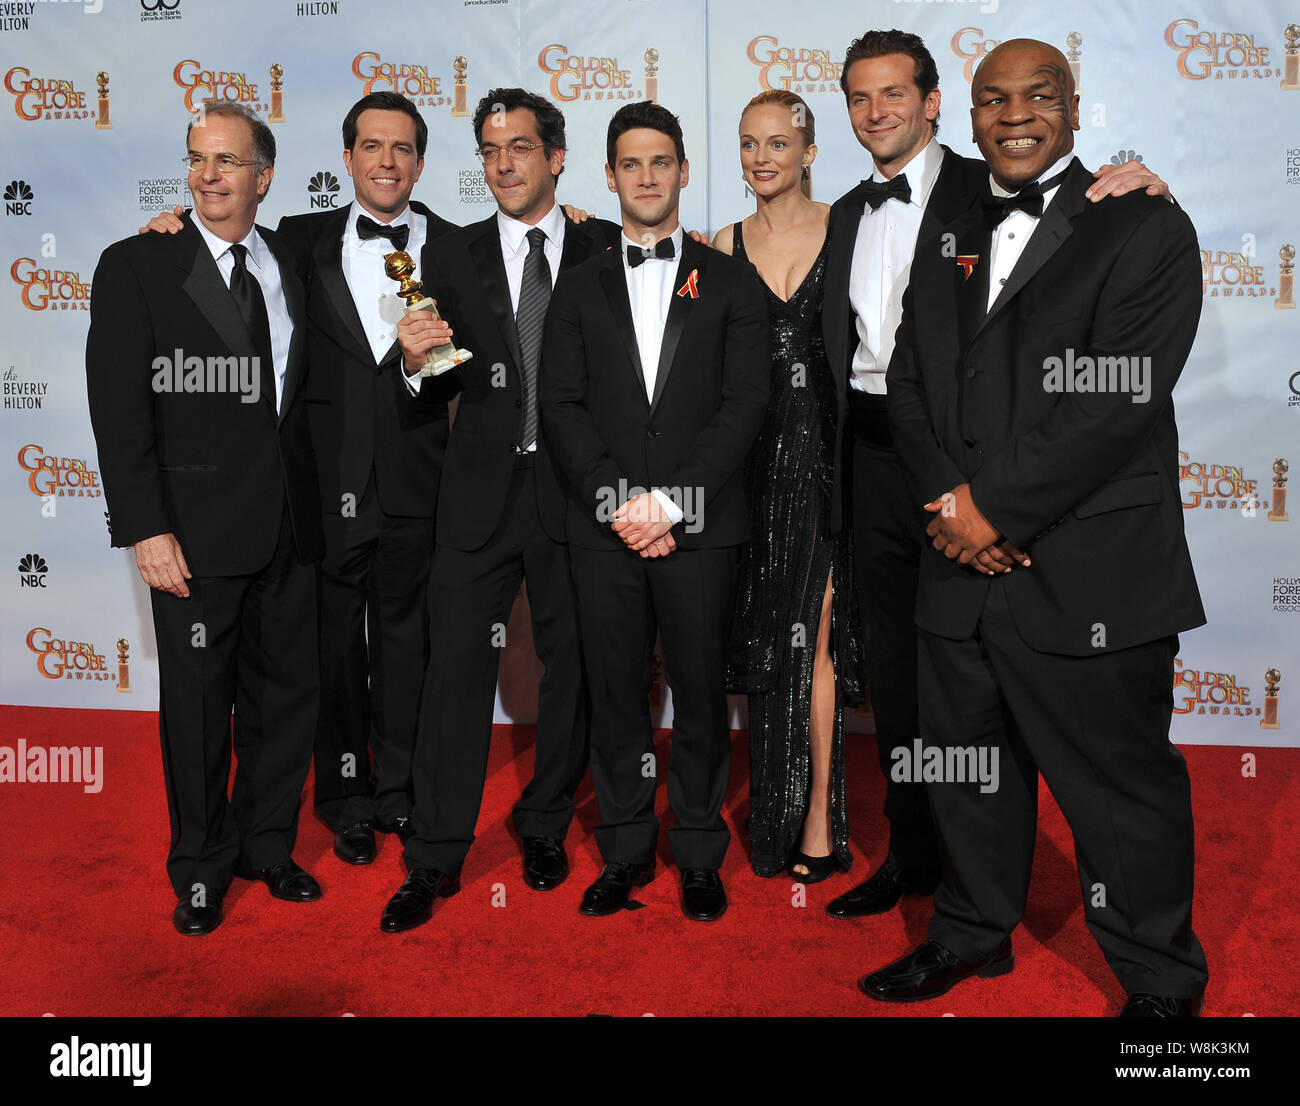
(869, 417)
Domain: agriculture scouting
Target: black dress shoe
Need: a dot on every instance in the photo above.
(401, 826)
(1157, 1006)
(931, 971)
(545, 865)
(287, 881)
(413, 904)
(355, 844)
(703, 896)
(609, 894)
(877, 895)
(195, 921)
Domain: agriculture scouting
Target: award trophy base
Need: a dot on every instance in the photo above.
(441, 358)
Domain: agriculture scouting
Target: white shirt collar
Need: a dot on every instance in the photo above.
(1047, 174)
(252, 241)
(677, 236)
(922, 171)
(514, 232)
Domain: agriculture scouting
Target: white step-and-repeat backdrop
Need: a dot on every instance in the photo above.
(92, 121)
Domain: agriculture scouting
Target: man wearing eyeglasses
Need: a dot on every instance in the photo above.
(195, 368)
(500, 516)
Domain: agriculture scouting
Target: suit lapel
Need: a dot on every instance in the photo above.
(327, 253)
(843, 232)
(949, 197)
(974, 240)
(295, 300)
(679, 310)
(485, 249)
(614, 285)
(204, 285)
(1052, 231)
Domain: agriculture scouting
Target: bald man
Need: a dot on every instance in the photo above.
(1030, 399)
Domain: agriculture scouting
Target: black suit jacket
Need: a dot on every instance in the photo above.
(211, 469)
(958, 185)
(1085, 482)
(466, 275)
(360, 413)
(692, 436)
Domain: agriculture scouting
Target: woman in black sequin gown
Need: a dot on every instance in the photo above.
(795, 648)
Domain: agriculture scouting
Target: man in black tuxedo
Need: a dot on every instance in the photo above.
(500, 515)
(381, 459)
(655, 386)
(194, 369)
(917, 186)
(1030, 396)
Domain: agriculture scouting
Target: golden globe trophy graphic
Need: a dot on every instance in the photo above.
(277, 94)
(123, 665)
(1271, 679)
(1074, 40)
(651, 57)
(1277, 512)
(103, 123)
(1291, 79)
(1286, 277)
(460, 102)
(399, 266)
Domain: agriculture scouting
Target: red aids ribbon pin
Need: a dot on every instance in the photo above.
(967, 261)
(692, 286)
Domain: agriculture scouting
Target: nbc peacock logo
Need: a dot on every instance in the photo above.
(323, 190)
(31, 571)
(18, 197)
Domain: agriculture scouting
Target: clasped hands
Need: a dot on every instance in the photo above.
(961, 532)
(644, 526)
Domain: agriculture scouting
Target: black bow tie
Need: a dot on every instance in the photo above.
(663, 251)
(397, 235)
(1029, 200)
(877, 192)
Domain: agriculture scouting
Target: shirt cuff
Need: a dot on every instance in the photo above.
(413, 382)
(671, 509)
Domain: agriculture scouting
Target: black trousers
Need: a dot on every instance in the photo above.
(374, 648)
(470, 596)
(889, 539)
(623, 600)
(1097, 728)
(246, 643)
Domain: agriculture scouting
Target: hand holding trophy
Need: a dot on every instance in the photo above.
(399, 266)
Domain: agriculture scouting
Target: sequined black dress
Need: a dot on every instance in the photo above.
(783, 579)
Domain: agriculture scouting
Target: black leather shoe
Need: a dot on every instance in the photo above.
(401, 826)
(703, 896)
(876, 895)
(609, 894)
(355, 844)
(413, 904)
(930, 971)
(195, 921)
(1157, 1006)
(287, 881)
(545, 865)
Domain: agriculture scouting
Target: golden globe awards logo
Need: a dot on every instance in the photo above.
(1217, 487)
(1235, 273)
(214, 84)
(793, 68)
(1210, 693)
(413, 81)
(59, 476)
(1206, 54)
(585, 77)
(49, 289)
(61, 659)
(970, 45)
(45, 98)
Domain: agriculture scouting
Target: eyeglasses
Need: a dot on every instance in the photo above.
(226, 163)
(517, 151)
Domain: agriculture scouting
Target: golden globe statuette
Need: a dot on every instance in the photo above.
(651, 57)
(1291, 79)
(123, 665)
(399, 266)
(460, 100)
(277, 94)
(1271, 679)
(1074, 40)
(1286, 277)
(103, 123)
(1277, 511)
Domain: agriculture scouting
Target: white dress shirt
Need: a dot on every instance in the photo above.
(882, 263)
(650, 294)
(1012, 235)
(263, 267)
(373, 291)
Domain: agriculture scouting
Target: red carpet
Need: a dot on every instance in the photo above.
(86, 927)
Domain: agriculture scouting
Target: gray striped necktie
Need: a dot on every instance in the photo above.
(534, 295)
